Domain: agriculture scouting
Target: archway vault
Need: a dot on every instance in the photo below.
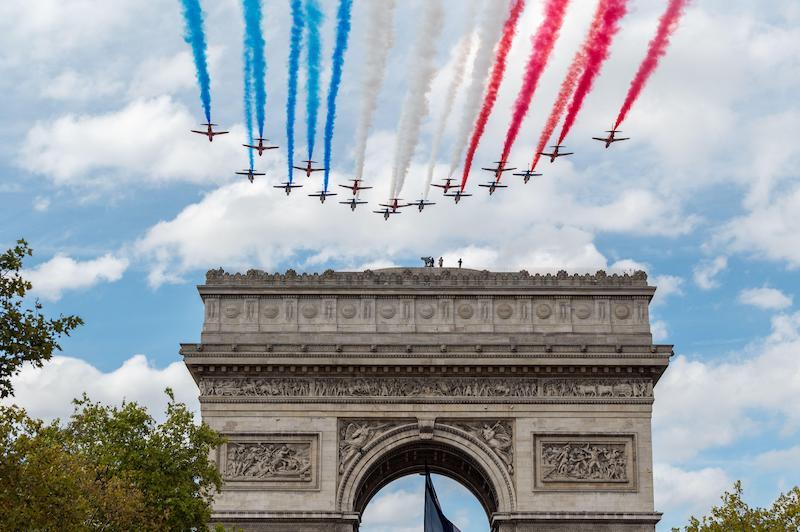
(410, 448)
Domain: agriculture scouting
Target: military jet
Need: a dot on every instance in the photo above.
(527, 175)
(353, 203)
(457, 195)
(210, 133)
(611, 137)
(394, 204)
(555, 153)
(498, 170)
(287, 187)
(260, 148)
(420, 204)
(250, 173)
(446, 186)
(322, 195)
(308, 169)
(492, 186)
(356, 187)
(386, 213)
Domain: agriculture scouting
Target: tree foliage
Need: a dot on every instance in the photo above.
(108, 468)
(734, 514)
(26, 335)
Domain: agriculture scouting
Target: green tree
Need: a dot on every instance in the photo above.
(734, 514)
(109, 468)
(26, 335)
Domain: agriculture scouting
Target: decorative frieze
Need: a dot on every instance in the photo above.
(422, 387)
(269, 461)
(497, 435)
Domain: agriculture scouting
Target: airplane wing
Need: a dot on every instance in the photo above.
(507, 169)
(299, 167)
(600, 139)
(625, 138)
(363, 188)
(219, 132)
(545, 153)
(567, 153)
(200, 132)
(314, 169)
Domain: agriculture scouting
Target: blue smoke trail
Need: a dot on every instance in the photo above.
(248, 101)
(342, 34)
(254, 40)
(314, 21)
(291, 97)
(195, 37)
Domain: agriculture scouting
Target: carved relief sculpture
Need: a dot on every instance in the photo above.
(268, 461)
(579, 461)
(354, 436)
(497, 435)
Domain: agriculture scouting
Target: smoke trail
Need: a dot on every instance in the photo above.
(313, 23)
(498, 70)
(488, 33)
(655, 50)
(248, 100)
(460, 63)
(415, 104)
(254, 40)
(342, 34)
(594, 61)
(541, 46)
(379, 40)
(291, 93)
(570, 80)
(194, 36)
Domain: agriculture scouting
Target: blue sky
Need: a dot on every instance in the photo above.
(126, 210)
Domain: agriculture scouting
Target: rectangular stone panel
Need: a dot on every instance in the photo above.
(584, 462)
(269, 461)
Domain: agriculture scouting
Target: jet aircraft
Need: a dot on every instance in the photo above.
(260, 148)
(210, 133)
(498, 170)
(555, 153)
(287, 187)
(492, 186)
(457, 195)
(322, 194)
(394, 204)
(353, 203)
(611, 137)
(355, 187)
(386, 213)
(527, 175)
(250, 173)
(308, 168)
(420, 204)
(446, 186)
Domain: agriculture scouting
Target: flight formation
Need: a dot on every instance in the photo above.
(479, 69)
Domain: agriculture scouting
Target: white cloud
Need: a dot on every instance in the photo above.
(47, 392)
(780, 460)
(70, 85)
(667, 285)
(394, 511)
(705, 273)
(627, 266)
(61, 273)
(659, 330)
(703, 405)
(157, 76)
(147, 141)
(690, 491)
(765, 298)
(41, 204)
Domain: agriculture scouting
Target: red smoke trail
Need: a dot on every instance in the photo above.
(509, 30)
(598, 53)
(656, 49)
(570, 80)
(542, 44)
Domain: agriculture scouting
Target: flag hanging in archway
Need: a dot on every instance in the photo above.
(435, 521)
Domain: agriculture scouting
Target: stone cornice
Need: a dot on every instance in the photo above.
(421, 278)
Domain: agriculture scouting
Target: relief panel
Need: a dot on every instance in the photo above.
(357, 435)
(584, 461)
(258, 461)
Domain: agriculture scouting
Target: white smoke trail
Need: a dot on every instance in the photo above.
(379, 40)
(494, 15)
(459, 65)
(415, 105)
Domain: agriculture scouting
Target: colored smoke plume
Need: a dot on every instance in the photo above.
(542, 44)
(378, 41)
(597, 55)
(415, 104)
(291, 92)
(248, 101)
(196, 38)
(655, 50)
(496, 78)
(342, 35)
(254, 41)
(313, 22)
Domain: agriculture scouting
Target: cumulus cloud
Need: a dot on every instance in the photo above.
(659, 330)
(147, 141)
(765, 298)
(47, 392)
(705, 273)
(70, 85)
(703, 405)
(688, 491)
(394, 511)
(61, 273)
(667, 285)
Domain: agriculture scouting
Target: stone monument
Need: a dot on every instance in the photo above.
(533, 391)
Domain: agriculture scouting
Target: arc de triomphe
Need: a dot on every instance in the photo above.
(533, 391)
